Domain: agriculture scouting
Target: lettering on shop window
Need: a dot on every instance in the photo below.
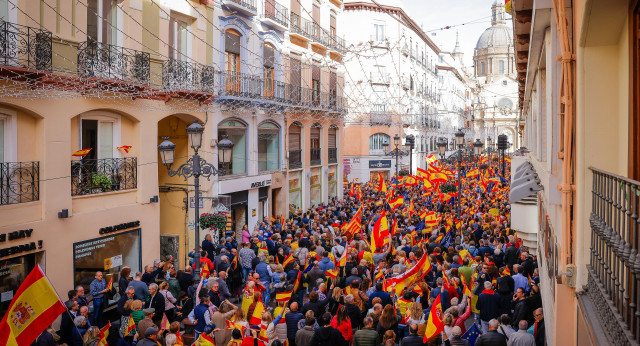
(119, 227)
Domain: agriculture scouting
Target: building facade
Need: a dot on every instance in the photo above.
(578, 99)
(117, 77)
(392, 85)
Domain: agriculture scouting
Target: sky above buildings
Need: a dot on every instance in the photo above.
(433, 15)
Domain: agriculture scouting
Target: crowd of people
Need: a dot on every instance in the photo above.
(391, 262)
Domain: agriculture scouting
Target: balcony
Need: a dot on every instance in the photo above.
(316, 156)
(380, 119)
(275, 15)
(295, 159)
(614, 270)
(333, 155)
(187, 76)
(19, 182)
(95, 176)
(319, 36)
(337, 44)
(301, 28)
(241, 86)
(379, 42)
(102, 60)
(25, 47)
(248, 7)
(380, 78)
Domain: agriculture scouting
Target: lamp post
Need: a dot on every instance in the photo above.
(408, 147)
(397, 152)
(502, 146)
(489, 147)
(442, 148)
(477, 148)
(194, 167)
(460, 143)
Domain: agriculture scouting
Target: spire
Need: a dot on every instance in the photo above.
(498, 15)
(456, 49)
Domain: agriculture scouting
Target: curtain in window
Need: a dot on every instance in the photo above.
(106, 140)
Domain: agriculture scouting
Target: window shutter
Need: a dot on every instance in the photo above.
(232, 43)
(315, 72)
(269, 56)
(333, 80)
(294, 137)
(332, 140)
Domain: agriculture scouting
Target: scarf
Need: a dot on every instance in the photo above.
(488, 291)
(535, 329)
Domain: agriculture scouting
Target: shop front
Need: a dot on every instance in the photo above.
(315, 185)
(295, 190)
(249, 200)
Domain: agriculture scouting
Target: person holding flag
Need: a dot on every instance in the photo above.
(98, 290)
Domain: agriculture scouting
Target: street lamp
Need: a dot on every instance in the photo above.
(460, 143)
(397, 152)
(477, 147)
(409, 142)
(442, 148)
(225, 147)
(194, 167)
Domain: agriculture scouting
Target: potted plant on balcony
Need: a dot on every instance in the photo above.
(101, 182)
(217, 222)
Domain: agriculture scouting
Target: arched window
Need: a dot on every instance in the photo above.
(232, 47)
(268, 146)
(315, 151)
(236, 131)
(482, 69)
(269, 63)
(375, 143)
(332, 141)
(501, 66)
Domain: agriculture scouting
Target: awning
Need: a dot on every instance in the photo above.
(524, 183)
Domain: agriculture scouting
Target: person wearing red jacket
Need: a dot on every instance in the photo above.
(342, 322)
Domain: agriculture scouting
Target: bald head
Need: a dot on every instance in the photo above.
(293, 306)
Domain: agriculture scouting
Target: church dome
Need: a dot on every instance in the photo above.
(497, 36)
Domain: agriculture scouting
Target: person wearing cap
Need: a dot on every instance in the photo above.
(150, 337)
(147, 321)
(200, 315)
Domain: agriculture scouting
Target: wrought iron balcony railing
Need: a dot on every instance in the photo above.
(26, 47)
(319, 35)
(614, 269)
(246, 6)
(242, 85)
(188, 76)
(379, 42)
(295, 159)
(380, 119)
(94, 176)
(315, 156)
(301, 26)
(378, 108)
(19, 182)
(333, 155)
(103, 60)
(276, 12)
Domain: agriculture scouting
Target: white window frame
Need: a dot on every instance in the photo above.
(119, 37)
(102, 117)
(382, 24)
(189, 24)
(10, 118)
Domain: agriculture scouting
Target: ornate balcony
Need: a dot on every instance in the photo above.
(319, 36)
(243, 86)
(94, 176)
(333, 155)
(102, 60)
(19, 182)
(379, 42)
(275, 15)
(248, 7)
(614, 269)
(25, 47)
(300, 27)
(295, 159)
(187, 76)
(316, 156)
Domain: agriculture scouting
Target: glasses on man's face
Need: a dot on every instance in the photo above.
(537, 315)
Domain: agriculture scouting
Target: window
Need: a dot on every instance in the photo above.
(332, 26)
(232, 60)
(482, 68)
(315, 186)
(179, 37)
(315, 152)
(98, 132)
(269, 76)
(236, 131)
(102, 20)
(4, 11)
(268, 147)
(375, 143)
(315, 84)
(501, 66)
(295, 78)
(378, 31)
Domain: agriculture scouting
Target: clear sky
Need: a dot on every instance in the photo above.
(435, 14)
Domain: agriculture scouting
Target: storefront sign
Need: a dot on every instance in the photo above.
(119, 227)
(243, 184)
(21, 234)
(17, 235)
(379, 163)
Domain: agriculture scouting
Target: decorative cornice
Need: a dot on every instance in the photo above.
(392, 10)
(224, 21)
(272, 34)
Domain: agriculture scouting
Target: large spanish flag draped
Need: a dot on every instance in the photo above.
(354, 225)
(33, 308)
(396, 202)
(380, 233)
(434, 324)
(382, 187)
(411, 276)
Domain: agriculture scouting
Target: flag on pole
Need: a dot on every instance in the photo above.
(104, 334)
(164, 323)
(126, 148)
(284, 296)
(131, 325)
(434, 324)
(81, 152)
(110, 284)
(396, 202)
(382, 187)
(380, 234)
(34, 306)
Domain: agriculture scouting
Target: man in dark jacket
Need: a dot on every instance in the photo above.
(66, 324)
(316, 305)
(487, 303)
(519, 307)
(327, 335)
(413, 339)
(526, 263)
(380, 293)
(156, 302)
(185, 278)
(150, 273)
(208, 247)
(492, 337)
(511, 256)
(353, 311)
(314, 274)
(292, 318)
(538, 327)
(366, 336)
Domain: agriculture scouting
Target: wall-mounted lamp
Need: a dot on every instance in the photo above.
(63, 214)
(154, 199)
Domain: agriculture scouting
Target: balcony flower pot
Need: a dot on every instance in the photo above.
(101, 182)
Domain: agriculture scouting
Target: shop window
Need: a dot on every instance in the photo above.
(236, 132)
(332, 178)
(232, 60)
(315, 184)
(108, 255)
(295, 190)
(268, 147)
(102, 20)
(375, 143)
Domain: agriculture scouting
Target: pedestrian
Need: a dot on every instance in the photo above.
(98, 289)
(491, 337)
(521, 337)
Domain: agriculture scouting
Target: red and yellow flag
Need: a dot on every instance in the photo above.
(164, 323)
(332, 273)
(110, 284)
(287, 260)
(434, 324)
(256, 318)
(354, 225)
(33, 308)
(396, 202)
(473, 173)
(284, 296)
(232, 325)
(205, 340)
(126, 148)
(411, 276)
(382, 187)
(380, 233)
(81, 153)
(104, 334)
(179, 340)
(421, 173)
(204, 272)
(131, 325)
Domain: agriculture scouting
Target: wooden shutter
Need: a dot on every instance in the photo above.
(333, 81)
(332, 140)
(295, 72)
(232, 42)
(315, 72)
(294, 137)
(295, 6)
(269, 55)
(316, 14)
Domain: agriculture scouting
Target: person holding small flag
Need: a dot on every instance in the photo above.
(98, 289)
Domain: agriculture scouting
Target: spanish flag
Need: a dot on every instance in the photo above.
(434, 324)
(382, 187)
(284, 296)
(205, 340)
(273, 219)
(179, 341)
(506, 271)
(204, 272)
(81, 153)
(473, 173)
(296, 285)
(110, 284)
(232, 325)
(421, 173)
(380, 233)
(379, 275)
(396, 202)
(410, 277)
(343, 259)
(287, 260)
(104, 333)
(410, 181)
(130, 326)
(33, 308)
(430, 219)
(332, 273)
(256, 318)
(164, 323)
(126, 148)
(431, 159)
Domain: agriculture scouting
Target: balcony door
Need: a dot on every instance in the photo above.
(98, 135)
(232, 61)
(269, 75)
(104, 21)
